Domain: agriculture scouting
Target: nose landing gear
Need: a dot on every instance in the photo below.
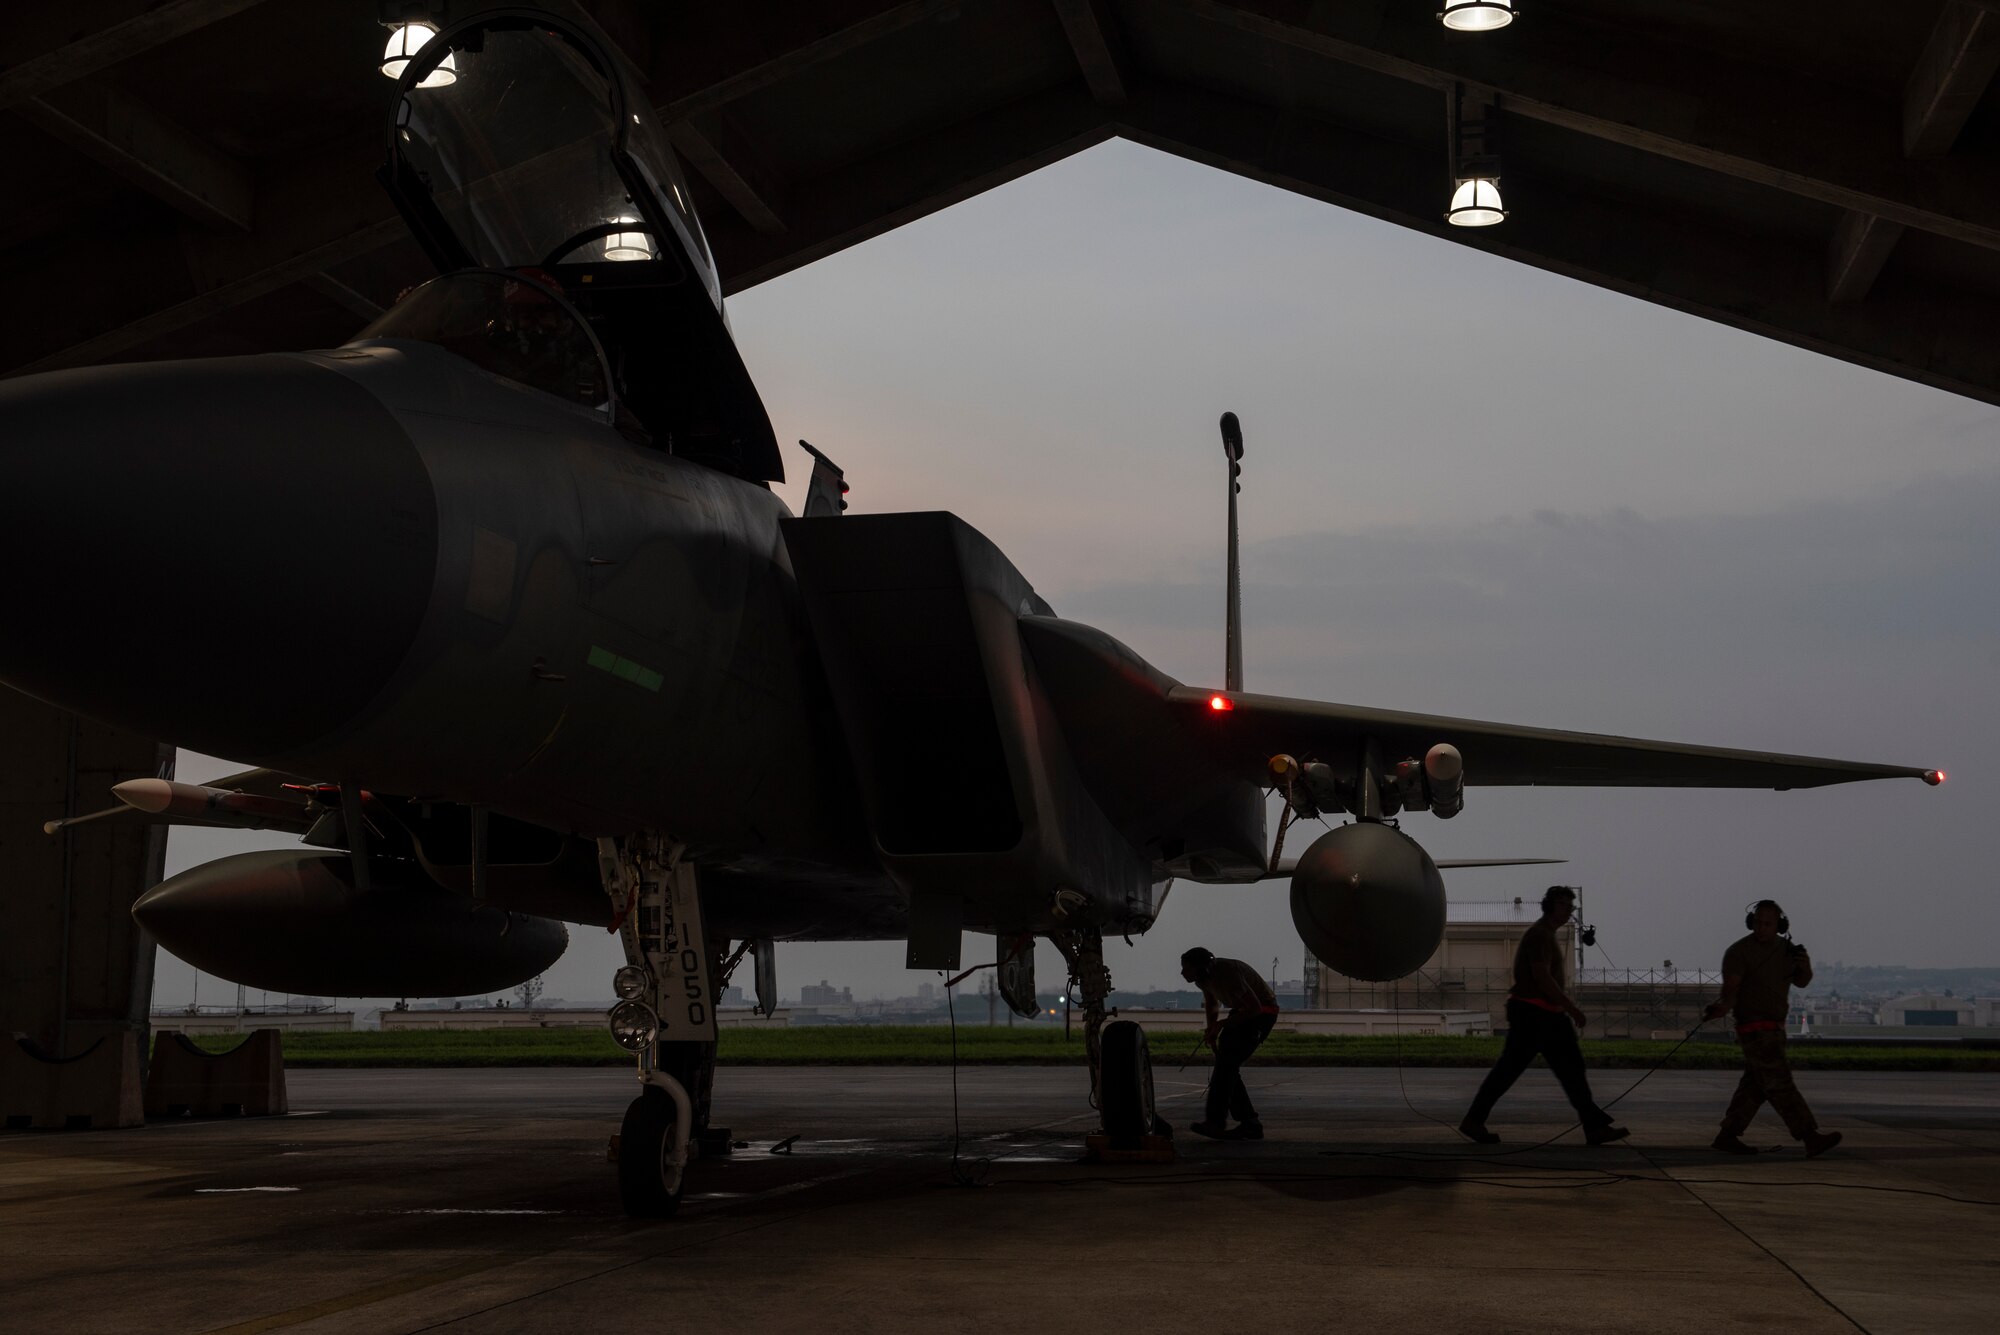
(665, 1017)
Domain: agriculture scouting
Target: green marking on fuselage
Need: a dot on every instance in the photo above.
(624, 668)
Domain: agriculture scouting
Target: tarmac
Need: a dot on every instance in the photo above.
(481, 1201)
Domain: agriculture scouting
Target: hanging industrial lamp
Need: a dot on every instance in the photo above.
(628, 245)
(1476, 15)
(1475, 202)
(1475, 160)
(405, 40)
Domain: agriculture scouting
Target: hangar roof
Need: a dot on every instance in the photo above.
(196, 176)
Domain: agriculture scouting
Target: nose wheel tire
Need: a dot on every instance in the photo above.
(649, 1183)
(1126, 1085)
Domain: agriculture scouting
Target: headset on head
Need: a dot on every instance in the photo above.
(1750, 916)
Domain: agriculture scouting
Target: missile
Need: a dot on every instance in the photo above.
(196, 804)
(1444, 779)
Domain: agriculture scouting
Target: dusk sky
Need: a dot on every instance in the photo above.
(1470, 488)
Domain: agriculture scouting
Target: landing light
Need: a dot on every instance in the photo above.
(1221, 704)
(1476, 15)
(629, 982)
(633, 1025)
(405, 40)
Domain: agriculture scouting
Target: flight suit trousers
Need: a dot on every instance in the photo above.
(1532, 1031)
(1767, 1076)
(1233, 1047)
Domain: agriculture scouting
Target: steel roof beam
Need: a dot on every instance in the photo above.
(1860, 247)
(915, 178)
(44, 47)
(1829, 145)
(309, 219)
(147, 150)
(729, 77)
(1958, 63)
(1093, 36)
(1953, 73)
(343, 296)
(1764, 286)
(726, 161)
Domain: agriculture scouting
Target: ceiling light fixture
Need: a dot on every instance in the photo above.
(1475, 159)
(628, 245)
(405, 40)
(1476, 15)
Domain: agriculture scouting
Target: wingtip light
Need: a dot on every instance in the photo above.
(1933, 777)
(1221, 704)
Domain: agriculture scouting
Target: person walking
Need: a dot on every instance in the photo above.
(1253, 1009)
(1541, 1019)
(1758, 973)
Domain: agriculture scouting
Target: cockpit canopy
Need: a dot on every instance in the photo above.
(537, 155)
(532, 155)
(507, 324)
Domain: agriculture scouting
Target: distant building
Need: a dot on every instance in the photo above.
(825, 994)
(1930, 1009)
(1473, 968)
(1810, 1013)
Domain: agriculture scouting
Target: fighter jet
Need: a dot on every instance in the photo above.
(499, 599)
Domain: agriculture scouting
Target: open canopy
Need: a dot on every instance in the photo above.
(517, 143)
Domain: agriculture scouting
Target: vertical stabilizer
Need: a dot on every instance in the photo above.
(1232, 446)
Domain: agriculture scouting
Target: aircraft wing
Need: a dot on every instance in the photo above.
(1245, 731)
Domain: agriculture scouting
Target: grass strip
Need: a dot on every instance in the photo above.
(1033, 1045)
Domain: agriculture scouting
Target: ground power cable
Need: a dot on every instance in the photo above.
(1609, 1175)
(1395, 996)
(962, 1175)
(976, 1172)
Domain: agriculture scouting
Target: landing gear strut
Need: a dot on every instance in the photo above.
(1121, 1071)
(665, 1017)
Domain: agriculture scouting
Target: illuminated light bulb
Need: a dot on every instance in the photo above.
(1221, 704)
(628, 246)
(405, 40)
(1475, 202)
(1476, 15)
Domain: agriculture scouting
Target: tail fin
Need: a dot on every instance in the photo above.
(826, 492)
(1232, 446)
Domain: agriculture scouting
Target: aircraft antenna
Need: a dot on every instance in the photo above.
(1232, 448)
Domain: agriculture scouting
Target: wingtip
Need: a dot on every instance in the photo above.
(1933, 777)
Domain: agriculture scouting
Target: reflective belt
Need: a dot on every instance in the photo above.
(1758, 1027)
(1267, 1010)
(1548, 1006)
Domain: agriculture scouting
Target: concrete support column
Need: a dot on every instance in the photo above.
(74, 967)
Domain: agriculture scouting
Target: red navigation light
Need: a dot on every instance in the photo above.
(1933, 777)
(1221, 704)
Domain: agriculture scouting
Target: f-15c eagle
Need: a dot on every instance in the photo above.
(499, 598)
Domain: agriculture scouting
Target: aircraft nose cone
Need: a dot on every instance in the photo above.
(231, 555)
